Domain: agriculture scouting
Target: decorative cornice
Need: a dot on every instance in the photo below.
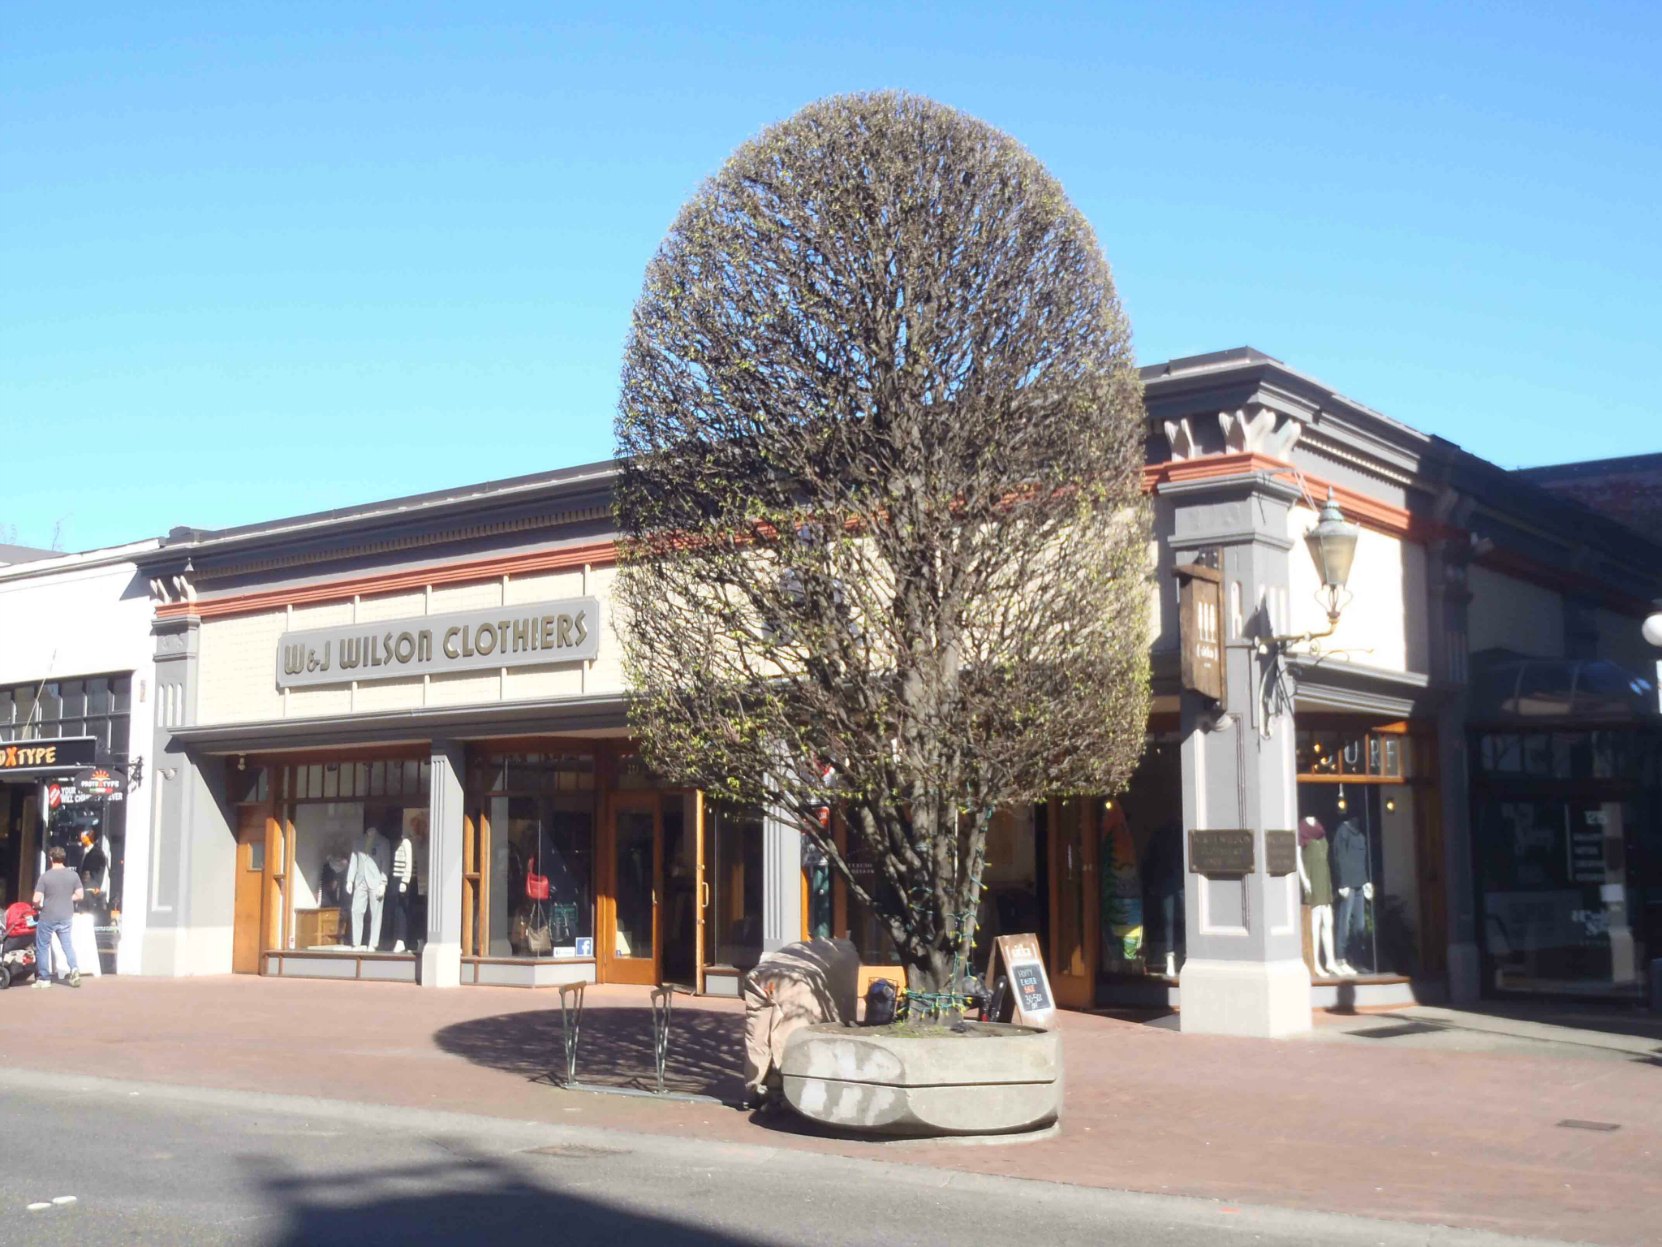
(590, 554)
(1369, 512)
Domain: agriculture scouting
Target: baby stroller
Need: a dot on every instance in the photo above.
(17, 956)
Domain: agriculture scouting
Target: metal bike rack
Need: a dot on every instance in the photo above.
(663, 1002)
(571, 1021)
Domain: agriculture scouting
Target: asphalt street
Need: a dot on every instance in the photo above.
(107, 1162)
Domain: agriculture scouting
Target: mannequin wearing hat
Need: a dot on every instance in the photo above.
(1315, 873)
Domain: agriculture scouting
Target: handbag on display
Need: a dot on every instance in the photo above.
(539, 940)
(536, 886)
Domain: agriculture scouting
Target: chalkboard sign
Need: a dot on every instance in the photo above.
(1034, 1003)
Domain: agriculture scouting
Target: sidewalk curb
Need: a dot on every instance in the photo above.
(526, 1136)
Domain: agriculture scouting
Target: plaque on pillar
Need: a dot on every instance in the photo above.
(1200, 630)
(1221, 853)
(1280, 852)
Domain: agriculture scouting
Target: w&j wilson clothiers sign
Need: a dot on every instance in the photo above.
(533, 634)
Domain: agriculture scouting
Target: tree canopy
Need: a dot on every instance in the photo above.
(884, 545)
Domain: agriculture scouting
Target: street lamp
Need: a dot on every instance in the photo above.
(1652, 627)
(1332, 546)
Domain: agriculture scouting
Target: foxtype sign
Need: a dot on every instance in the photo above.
(26, 756)
(534, 634)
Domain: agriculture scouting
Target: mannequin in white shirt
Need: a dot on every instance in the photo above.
(366, 884)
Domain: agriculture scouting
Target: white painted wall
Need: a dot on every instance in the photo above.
(89, 614)
(1386, 622)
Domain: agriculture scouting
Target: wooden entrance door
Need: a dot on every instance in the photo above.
(1074, 906)
(630, 941)
(250, 903)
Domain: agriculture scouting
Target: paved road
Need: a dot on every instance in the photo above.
(166, 1165)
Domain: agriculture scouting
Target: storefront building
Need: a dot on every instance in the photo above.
(76, 679)
(392, 743)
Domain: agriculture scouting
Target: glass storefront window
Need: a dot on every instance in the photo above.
(542, 876)
(529, 865)
(1366, 871)
(92, 831)
(359, 878)
(733, 871)
(1564, 896)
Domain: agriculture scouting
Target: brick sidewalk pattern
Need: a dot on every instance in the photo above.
(1457, 1138)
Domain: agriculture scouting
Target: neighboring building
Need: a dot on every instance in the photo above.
(443, 669)
(1628, 489)
(76, 681)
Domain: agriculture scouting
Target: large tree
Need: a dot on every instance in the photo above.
(884, 546)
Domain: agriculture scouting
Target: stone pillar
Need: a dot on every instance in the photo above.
(1447, 561)
(189, 895)
(781, 882)
(1245, 972)
(441, 956)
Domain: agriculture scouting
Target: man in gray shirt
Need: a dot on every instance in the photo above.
(56, 893)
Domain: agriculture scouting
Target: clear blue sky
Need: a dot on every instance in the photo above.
(259, 259)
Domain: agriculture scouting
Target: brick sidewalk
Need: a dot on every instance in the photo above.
(1459, 1138)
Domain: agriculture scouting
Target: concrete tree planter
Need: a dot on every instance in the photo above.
(901, 1081)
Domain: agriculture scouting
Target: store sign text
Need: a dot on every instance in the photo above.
(47, 755)
(535, 634)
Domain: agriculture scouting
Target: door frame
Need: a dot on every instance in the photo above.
(251, 934)
(1074, 991)
(641, 971)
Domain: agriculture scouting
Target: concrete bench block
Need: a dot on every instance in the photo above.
(998, 1079)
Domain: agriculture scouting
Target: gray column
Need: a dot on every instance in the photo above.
(781, 882)
(1447, 563)
(1245, 972)
(441, 956)
(190, 891)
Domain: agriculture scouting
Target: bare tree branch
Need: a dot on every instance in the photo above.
(885, 545)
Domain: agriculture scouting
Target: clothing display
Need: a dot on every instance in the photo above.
(1352, 925)
(1317, 871)
(403, 864)
(1122, 888)
(1163, 891)
(1316, 875)
(1351, 868)
(366, 883)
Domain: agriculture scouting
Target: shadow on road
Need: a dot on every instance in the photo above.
(468, 1199)
(706, 1049)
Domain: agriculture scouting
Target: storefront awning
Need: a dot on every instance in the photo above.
(1568, 691)
(575, 716)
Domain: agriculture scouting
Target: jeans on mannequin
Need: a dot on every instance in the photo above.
(406, 922)
(364, 899)
(1352, 924)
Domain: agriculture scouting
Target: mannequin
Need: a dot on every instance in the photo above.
(366, 883)
(1163, 892)
(1353, 880)
(1314, 874)
(404, 890)
(418, 907)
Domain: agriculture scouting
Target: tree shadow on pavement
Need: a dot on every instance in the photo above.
(466, 1198)
(614, 1048)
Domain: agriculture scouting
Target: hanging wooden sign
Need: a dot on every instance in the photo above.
(1024, 968)
(1200, 630)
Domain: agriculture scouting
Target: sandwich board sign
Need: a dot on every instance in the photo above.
(1024, 967)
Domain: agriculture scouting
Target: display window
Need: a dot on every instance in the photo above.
(353, 870)
(733, 873)
(529, 857)
(90, 829)
(1363, 821)
(1567, 831)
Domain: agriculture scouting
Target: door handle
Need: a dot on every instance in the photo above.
(704, 894)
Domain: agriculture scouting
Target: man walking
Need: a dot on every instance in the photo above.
(56, 893)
